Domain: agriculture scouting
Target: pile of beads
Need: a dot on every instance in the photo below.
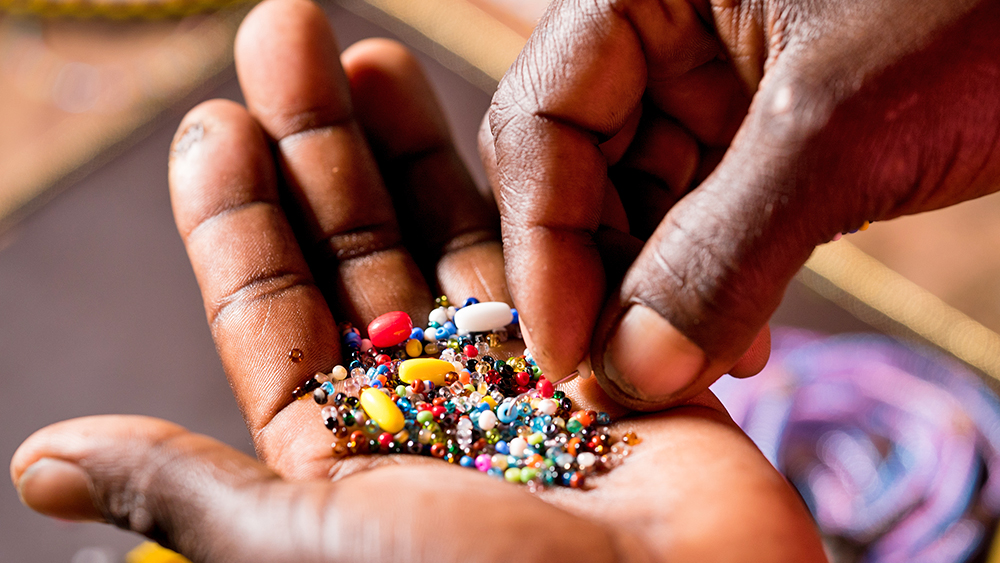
(466, 406)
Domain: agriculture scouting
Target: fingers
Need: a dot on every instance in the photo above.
(259, 294)
(701, 291)
(211, 503)
(553, 110)
(452, 230)
(287, 61)
(145, 475)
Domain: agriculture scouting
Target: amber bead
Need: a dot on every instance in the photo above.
(450, 377)
(631, 439)
(341, 432)
(339, 448)
(295, 355)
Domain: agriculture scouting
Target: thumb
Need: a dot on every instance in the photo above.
(145, 475)
(700, 293)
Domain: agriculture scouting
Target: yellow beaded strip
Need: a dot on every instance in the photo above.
(115, 9)
(149, 552)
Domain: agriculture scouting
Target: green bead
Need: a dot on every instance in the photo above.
(536, 438)
(492, 436)
(558, 395)
(573, 426)
(528, 473)
(512, 474)
(401, 390)
(424, 417)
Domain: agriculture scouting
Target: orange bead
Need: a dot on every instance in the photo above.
(464, 378)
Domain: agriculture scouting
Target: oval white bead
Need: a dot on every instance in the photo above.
(483, 317)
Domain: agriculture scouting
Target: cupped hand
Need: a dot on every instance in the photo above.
(337, 195)
(725, 139)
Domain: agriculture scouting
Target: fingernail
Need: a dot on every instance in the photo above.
(648, 358)
(58, 489)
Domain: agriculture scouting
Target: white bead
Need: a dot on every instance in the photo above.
(487, 420)
(430, 335)
(483, 317)
(339, 373)
(451, 313)
(517, 447)
(439, 316)
(548, 406)
(586, 459)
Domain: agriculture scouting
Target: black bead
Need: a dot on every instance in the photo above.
(338, 399)
(320, 396)
(471, 365)
(352, 402)
(310, 384)
(414, 447)
(330, 423)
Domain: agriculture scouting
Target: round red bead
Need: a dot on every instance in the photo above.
(544, 388)
(471, 351)
(390, 329)
(522, 378)
(385, 439)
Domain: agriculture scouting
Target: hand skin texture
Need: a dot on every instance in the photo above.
(721, 141)
(293, 211)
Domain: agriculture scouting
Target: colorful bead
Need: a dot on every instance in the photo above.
(380, 407)
(483, 317)
(426, 369)
(390, 329)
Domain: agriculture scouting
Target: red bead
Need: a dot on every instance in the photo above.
(424, 407)
(522, 378)
(576, 480)
(438, 450)
(417, 385)
(471, 351)
(390, 329)
(544, 388)
(385, 439)
(382, 359)
(439, 412)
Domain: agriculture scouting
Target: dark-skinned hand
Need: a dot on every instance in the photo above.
(721, 140)
(337, 194)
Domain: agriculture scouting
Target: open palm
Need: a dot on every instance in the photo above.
(338, 195)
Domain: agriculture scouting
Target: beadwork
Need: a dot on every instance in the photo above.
(462, 403)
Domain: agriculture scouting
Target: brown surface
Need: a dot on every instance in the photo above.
(71, 89)
(953, 253)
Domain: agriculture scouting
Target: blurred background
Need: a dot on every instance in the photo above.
(878, 403)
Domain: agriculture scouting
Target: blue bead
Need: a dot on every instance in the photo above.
(370, 373)
(442, 333)
(603, 419)
(514, 312)
(352, 337)
(466, 461)
(381, 369)
(417, 333)
(328, 387)
(376, 383)
(470, 301)
(506, 412)
(502, 447)
(403, 403)
(483, 406)
(495, 472)
(354, 365)
(450, 327)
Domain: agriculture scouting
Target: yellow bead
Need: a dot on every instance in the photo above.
(380, 408)
(490, 401)
(424, 369)
(864, 226)
(414, 348)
